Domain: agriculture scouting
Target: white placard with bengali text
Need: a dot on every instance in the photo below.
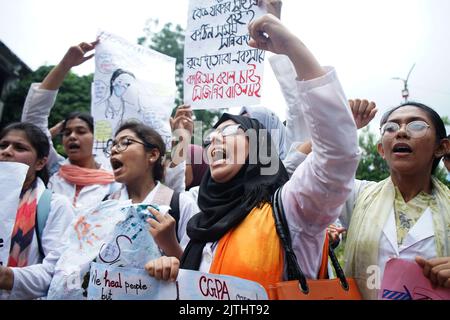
(220, 69)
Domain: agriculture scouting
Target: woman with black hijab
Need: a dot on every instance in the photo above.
(234, 233)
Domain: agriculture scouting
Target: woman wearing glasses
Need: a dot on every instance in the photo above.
(406, 216)
(234, 233)
(136, 155)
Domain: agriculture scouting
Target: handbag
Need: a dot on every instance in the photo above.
(297, 287)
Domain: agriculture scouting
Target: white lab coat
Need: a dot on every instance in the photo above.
(419, 241)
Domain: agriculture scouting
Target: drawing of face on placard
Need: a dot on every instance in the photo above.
(120, 83)
(121, 80)
(105, 63)
(100, 91)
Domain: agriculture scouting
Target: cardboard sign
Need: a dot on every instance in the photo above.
(130, 82)
(404, 280)
(13, 177)
(115, 283)
(220, 69)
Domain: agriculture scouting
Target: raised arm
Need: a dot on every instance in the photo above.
(314, 196)
(268, 33)
(42, 96)
(182, 127)
(75, 56)
(285, 72)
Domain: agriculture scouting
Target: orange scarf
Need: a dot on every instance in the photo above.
(23, 232)
(85, 177)
(252, 250)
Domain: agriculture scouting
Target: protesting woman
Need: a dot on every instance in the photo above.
(84, 181)
(137, 160)
(234, 233)
(33, 255)
(407, 215)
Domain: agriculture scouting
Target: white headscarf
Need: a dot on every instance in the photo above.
(272, 123)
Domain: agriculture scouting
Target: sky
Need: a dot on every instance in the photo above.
(368, 42)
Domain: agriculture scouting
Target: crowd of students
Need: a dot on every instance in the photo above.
(225, 222)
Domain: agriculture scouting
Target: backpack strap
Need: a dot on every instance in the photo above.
(175, 210)
(43, 210)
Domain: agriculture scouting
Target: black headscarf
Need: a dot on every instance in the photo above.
(225, 205)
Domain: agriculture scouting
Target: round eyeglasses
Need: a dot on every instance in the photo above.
(123, 144)
(226, 131)
(415, 129)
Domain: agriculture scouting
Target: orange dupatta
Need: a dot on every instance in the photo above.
(252, 250)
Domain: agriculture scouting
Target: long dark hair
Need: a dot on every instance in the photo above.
(438, 124)
(150, 137)
(36, 138)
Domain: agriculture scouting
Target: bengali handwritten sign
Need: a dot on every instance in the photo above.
(130, 82)
(13, 176)
(116, 283)
(220, 69)
(404, 280)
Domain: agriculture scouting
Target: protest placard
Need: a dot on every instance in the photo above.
(115, 233)
(220, 69)
(116, 283)
(194, 285)
(13, 176)
(404, 280)
(130, 82)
